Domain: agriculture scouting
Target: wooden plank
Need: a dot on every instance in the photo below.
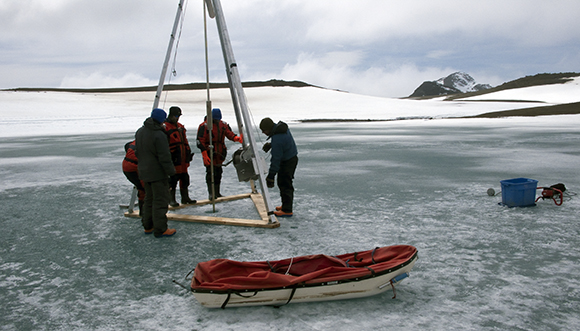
(218, 200)
(260, 206)
(264, 222)
(214, 220)
(222, 220)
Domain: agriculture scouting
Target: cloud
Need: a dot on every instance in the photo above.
(439, 53)
(369, 21)
(340, 43)
(345, 75)
(347, 44)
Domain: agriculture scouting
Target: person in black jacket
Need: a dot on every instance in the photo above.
(155, 168)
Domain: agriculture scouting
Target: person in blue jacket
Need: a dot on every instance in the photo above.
(283, 162)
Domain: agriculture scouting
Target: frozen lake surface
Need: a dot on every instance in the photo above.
(70, 260)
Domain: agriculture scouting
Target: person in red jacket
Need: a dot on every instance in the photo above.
(181, 155)
(220, 131)
(130, 169)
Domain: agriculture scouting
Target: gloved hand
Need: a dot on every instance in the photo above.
(239, 139)
(206, 159)
(267, 147)
(270, 182)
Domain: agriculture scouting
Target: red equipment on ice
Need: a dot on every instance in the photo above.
(553, 192)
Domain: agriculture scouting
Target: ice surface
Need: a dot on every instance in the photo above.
(70, 260)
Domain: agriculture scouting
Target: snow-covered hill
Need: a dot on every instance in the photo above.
(62, 113)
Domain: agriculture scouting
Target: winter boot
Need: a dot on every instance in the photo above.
(281, 213)
(172, 201)
(167, 233)
(209, 192)
(185, 197)
(217, 191)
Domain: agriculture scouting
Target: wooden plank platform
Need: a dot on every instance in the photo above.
(256, 198)
(218, 200)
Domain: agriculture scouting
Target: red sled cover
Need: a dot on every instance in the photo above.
(223, 275)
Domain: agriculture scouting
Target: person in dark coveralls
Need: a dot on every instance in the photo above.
(180, 154)
(155, 168)
(283, 162)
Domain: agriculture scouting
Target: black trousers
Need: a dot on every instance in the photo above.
(217, 174)
(133, 177)
(155, 206)
(285, 178)
(183, 180)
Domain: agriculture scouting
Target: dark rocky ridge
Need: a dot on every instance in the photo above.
(168, 87)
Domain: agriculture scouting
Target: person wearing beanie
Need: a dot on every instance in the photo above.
(159, 115)
(154, 167)
(216, 114)
(219, 132)
(181, 156)
(283, 162)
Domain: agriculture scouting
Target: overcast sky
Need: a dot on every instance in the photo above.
(374, 47)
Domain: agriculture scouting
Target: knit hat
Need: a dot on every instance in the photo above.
(266, 124)
(216, 114)
(159, 115)
(174, 111)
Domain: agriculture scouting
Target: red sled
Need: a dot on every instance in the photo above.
(224, 283)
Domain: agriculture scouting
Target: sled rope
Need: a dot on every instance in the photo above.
(289, 266)
(184, 287)
(226, 301)
(290, 298)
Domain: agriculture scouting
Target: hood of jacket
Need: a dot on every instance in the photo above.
(279, 128)
(152, 124)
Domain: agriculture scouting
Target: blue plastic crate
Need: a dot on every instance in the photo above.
(518, 192)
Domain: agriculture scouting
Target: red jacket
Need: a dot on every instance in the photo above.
(178, 146)
(220, 131)
(130, 160)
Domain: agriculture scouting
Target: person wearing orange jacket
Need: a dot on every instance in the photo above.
(181, 156)
(220, 131)
(130, 169)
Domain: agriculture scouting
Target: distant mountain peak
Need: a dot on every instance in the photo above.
(457, 82)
